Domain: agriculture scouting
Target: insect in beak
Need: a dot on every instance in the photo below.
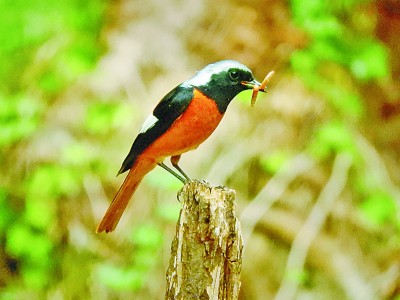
(258, 87)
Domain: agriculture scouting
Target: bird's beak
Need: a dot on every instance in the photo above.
(251, 84)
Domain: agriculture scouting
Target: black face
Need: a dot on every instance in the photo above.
(222, 81)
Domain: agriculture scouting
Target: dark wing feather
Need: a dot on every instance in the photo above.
(167, 111)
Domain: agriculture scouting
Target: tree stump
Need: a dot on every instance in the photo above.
(206, 253)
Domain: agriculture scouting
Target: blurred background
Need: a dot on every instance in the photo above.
(315, 163)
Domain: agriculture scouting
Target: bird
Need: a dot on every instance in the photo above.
(182, 120)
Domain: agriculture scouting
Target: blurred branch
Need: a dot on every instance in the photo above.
(308, 232)
(376, 167)
(206, 253)
(96, 195)
(388, 282)
(325, 254)
(272, 191)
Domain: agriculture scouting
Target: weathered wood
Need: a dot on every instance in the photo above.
(206, 253)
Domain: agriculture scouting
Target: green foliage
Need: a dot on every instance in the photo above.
(147, 236)
(273, 162)
(370, 62)
(335, 52)
(6, 214)
(321, 18)
(38, 249)
(47, 184)
(27, 236)
(53, 181)
(332, 138)
(44, 47)
(339, 54)
(168, 211)
(379, 208)
(101, 118)
(298, 276)
(19, 118)
(120, 278)
(34, 250)
(77, 155)
(147, 240)
(33, 31)
(162, 179)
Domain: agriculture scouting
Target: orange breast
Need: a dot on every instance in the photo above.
(192, 128)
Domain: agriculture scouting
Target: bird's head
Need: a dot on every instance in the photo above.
(222, 81)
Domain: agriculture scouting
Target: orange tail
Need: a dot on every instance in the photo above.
(125, 192)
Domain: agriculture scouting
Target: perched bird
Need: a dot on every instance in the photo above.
(181, 121)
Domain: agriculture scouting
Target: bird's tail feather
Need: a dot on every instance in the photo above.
(125, 192)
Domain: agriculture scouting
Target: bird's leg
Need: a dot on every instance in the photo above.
(175, 160)
(165, 167)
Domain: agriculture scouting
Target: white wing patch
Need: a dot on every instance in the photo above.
(148, 123)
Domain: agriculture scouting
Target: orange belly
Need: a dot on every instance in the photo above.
(192, 128)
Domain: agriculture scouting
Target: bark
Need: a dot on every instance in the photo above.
(206, 253)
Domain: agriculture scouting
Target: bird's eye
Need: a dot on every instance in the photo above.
(234, 75)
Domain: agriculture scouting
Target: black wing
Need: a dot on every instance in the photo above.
(167, 111)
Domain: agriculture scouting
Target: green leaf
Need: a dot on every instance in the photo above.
(51, 82)
(40, 212)
(102, 117)
(147, 236)
(17, 238)
(6, 215)
(24, 243)
(333, 138)
(54, 42)
(35, 277)
(324, 27)
(326, 50)
(379, 208)
(273, 162)
(345, 101)
(160, 178)
(41, 183)
(298, 276)
(49, 182)
(304, 10)
(119, 278)
(303, 62)
(19, 118)
(371, 62)
(77, 154)
(169, 211)
(145, 259)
